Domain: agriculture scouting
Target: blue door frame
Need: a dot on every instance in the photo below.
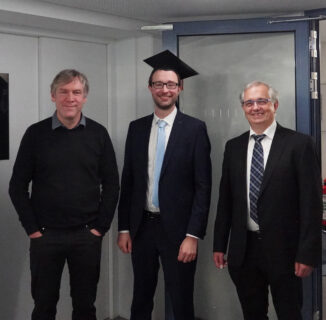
(302, 60)
(305, 118)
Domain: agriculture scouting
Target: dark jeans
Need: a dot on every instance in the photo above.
(48, 254)
(150, 245)
(254, 278)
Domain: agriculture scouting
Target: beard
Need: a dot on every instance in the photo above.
(165, 105)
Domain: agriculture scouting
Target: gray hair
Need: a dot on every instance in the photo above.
(66, 76)
(273, 94)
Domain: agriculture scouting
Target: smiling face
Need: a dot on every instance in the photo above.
(165, 98)
(260, 117)
(69, 99)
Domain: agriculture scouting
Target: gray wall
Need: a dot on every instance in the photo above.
(19, 58)
(213, 96)
(117, 95)
(133, 101)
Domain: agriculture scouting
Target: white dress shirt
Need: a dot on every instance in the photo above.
(152, 152)
(266, 144)
(151, 159)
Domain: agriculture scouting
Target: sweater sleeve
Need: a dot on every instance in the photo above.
(109, 186)
(20, 180)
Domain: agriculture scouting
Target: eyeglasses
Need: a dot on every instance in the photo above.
(259, 102)
(160, 85)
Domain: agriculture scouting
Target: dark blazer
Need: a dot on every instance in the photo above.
(289, 205)
(185, 182)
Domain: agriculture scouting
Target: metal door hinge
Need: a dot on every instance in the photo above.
(314, 85)
(313, 44)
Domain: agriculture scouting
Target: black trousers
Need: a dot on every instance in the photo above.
(254, 278)
(48, 255)
(150, 244)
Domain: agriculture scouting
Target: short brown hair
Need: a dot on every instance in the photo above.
(68, 75)
(150, 79)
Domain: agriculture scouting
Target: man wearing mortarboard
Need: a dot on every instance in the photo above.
(165, 193)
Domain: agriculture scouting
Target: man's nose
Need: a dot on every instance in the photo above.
(70, 96)
(255, 105)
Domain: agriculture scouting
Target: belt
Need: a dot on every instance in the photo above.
(151, 215)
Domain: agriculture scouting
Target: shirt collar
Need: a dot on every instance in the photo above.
(168, 119)
(56, 122)
(269, 132)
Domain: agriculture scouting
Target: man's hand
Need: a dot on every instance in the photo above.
(302, 270)
(188, 250)
(124, 242)
(219, 260)
(35, 235)
(95, 232)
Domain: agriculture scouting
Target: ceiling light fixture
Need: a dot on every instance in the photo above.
(158, 27)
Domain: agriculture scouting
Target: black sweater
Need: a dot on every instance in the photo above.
(74, 177)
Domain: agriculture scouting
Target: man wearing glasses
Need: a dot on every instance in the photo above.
(165, 193)
(270, 200)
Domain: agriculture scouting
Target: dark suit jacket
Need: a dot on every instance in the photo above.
(185, 182)
(289, 205)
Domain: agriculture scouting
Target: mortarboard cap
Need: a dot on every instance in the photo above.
(167, 60)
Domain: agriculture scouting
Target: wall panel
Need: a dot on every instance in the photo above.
(19, 56)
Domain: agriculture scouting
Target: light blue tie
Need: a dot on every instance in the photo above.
(256, 175)
(160, 150)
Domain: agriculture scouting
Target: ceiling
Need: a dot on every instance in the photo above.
(160, 11)
(106, 20)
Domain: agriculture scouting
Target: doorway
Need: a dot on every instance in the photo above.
(227, 55)
(213, 97)
(322, 34)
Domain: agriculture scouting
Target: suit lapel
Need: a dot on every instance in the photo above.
(241, 161)
(174, 136)
(277, 147)
(143, 142)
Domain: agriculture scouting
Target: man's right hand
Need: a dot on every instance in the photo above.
(219, 260)
(35, 235)
(124, 242)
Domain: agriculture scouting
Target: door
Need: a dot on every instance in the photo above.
(228, 54)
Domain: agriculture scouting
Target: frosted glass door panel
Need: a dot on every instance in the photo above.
(225, 64)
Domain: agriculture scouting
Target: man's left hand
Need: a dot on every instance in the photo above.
(302, 270)
(188, 250)
(95, 232)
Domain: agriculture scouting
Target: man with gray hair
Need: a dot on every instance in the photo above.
(270, 203)
(70, 161)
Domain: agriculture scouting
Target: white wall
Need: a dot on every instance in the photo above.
(19, 58)
(91, 59)
(31, 64)
(133, 101)
(118, 94)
